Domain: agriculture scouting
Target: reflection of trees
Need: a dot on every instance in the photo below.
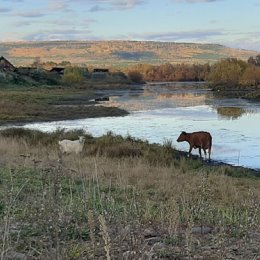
(231, 112)
(182, 99)
(229, 94)
(185, 96)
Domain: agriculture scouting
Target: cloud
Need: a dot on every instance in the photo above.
(5, 10)
(15, 1)
(213, 21)
(198, 35)
(30, 14)
(127, 4)
(88, 1)
(248, 41)
(22, 24)
(195, 1)
(89, 21)
(97, 8)
(117, 5)
(105, 5)
(57, 23)
(57, 5)
(55, 35)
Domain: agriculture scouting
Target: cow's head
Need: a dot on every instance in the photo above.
(182, 137)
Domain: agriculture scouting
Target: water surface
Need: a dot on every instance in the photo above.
(161, 112)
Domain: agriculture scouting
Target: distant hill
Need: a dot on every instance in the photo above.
(118, 53)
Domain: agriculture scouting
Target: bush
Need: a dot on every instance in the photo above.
(73, 75)
(227, 73)
(114, 146)
(135, 76)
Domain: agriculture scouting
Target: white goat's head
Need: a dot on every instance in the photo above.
(82, 139)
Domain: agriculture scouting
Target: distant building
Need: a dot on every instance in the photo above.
(59, 70)
(6, 65)
(25, 70)
(101, 70)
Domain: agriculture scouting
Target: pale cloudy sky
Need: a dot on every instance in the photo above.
(234, 23)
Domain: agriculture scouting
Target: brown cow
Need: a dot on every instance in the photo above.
(197, 140)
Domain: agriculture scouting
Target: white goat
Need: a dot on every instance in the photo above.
(69, 146)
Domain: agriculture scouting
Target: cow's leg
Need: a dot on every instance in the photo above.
(205, 153)
(209, 152)
(200, 151)
(190, 151)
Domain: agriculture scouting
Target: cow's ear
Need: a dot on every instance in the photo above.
(183, 132)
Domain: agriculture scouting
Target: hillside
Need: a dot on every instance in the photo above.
(118, 53)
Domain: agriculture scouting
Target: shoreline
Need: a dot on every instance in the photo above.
(179, 154)
(102, 111)
(10, 123)
(216, 163)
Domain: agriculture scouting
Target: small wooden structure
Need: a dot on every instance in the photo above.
(59, 70)
(101, 70)
(25, 70)
(6, 65)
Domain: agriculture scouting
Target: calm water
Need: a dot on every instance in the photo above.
(161, 112)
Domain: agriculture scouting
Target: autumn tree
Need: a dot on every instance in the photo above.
(73, 75)
(251, 76)
(171, 72)
(135, 76)
(227, 72)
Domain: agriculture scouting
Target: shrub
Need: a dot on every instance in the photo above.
(135, 76)
(73, 75)
(227, 72)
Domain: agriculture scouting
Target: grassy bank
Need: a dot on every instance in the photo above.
(121, 199)
(48, 104)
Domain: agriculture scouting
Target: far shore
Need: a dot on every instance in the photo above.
(57, 104)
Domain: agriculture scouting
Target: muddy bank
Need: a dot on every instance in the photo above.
(20, 107)
(240, 170)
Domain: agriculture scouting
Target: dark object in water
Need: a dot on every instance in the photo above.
(102, 99)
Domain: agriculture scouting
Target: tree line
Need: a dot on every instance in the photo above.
(170, 72)
(230, 72)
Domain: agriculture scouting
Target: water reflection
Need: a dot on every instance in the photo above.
(231, 112)
(184, 96)
(162, 112)
(153, 97)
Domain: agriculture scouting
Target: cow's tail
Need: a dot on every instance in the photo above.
(210, 145)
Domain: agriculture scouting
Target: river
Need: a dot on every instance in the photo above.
(160, 112)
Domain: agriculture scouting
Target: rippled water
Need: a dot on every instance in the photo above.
(161, 112)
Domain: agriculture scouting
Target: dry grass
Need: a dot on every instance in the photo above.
(118, 205)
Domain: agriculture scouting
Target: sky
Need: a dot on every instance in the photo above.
(233, 23)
